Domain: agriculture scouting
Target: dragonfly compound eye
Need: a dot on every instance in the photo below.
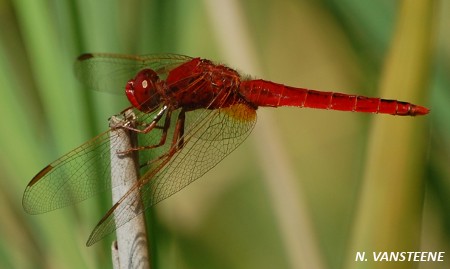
(142, 91)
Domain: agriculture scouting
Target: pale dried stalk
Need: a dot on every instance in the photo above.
(131, 248)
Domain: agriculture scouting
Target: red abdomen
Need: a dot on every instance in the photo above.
(266, 93)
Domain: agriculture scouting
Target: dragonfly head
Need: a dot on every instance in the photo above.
(142, 91)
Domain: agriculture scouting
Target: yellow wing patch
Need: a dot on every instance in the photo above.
(240, 111)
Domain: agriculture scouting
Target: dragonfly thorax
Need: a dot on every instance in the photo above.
(200, 83)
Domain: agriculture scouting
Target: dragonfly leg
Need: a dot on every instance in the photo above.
(177, 140)
(178, 134)
(150, 127)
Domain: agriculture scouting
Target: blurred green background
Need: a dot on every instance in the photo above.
(300, 192)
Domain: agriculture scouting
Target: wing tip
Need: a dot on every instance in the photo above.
(85, 56)
(40, 175)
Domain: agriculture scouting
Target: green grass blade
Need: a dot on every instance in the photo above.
(390, 209)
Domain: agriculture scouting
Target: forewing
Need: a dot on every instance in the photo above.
(74, 177)
(210, 136)
(110, 72)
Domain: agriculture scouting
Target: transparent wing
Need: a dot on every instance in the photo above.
(86, 170)
(76, 176)
(110, 72)
(210, 136)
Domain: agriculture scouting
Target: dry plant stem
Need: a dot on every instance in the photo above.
(115, 255)
(131, 248)
(389, 216)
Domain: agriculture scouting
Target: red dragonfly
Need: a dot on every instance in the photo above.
(205, 109)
